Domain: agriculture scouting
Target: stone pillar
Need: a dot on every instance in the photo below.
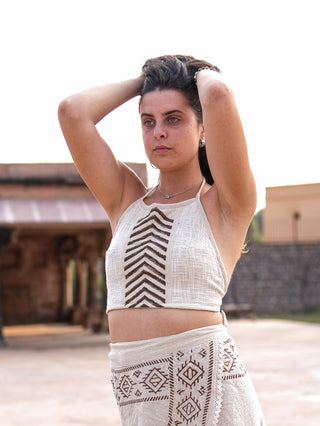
(94, 314)
(67, 252)
(66, 296)
(5, 236)
(83, 283)
(80, 310)
(91, 247)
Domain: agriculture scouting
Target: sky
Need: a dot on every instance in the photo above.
(268, 50)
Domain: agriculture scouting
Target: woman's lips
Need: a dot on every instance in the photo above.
(161, 149)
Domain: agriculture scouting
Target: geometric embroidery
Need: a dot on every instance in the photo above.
(145, 260)
(155, 380)
(229, 361)
(183, 388)
(188, 382)
(125, 386)
(232, 366)
(152, 386)
(190, 372)
(186, 386)
(189, 408)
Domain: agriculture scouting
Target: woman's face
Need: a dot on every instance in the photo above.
(170, 130)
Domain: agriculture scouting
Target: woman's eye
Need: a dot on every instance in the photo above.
(148, 123)
(173, 119)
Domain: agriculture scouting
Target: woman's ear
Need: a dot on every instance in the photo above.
(202, 134)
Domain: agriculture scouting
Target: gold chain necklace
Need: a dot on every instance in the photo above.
(177, 193)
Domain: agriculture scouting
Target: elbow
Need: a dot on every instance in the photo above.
(68, 110)
(217, 92)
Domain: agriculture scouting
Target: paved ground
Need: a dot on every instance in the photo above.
(58, 375)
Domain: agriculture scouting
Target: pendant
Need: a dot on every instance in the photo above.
(167, 196)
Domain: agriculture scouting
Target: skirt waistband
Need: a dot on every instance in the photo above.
(123, 353)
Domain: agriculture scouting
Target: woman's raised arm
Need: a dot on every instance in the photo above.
(226, 147)
(110, 180)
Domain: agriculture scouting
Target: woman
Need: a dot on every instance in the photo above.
(175, 246)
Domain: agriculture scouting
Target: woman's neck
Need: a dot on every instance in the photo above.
(171, 185)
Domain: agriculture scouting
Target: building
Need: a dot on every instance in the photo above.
(292, 214)
(53, 238)
(280, 273)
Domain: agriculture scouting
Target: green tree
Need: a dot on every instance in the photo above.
(255, 231)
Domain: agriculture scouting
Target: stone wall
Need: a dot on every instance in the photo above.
(30, 281)
(277, 278)
(36, 281)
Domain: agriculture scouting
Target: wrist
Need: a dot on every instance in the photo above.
(140, 81)
(209, 68)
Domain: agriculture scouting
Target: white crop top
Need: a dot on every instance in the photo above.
(164, 255)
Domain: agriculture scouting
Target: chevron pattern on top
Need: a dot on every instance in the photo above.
(144, 264)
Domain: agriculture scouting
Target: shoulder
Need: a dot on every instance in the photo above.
(133, 190)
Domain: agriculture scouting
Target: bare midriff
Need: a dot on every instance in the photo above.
(127, 325)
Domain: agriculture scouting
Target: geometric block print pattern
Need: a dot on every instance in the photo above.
(189, 381)
(144, 264)
(232, 365)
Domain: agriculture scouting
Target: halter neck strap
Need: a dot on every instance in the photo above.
(200, 189)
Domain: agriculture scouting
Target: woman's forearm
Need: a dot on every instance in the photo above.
(95, 103)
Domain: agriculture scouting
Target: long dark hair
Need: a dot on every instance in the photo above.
(177, 72)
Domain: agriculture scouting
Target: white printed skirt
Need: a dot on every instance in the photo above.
(195, 378)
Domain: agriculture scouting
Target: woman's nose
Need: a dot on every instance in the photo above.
(159, 132)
